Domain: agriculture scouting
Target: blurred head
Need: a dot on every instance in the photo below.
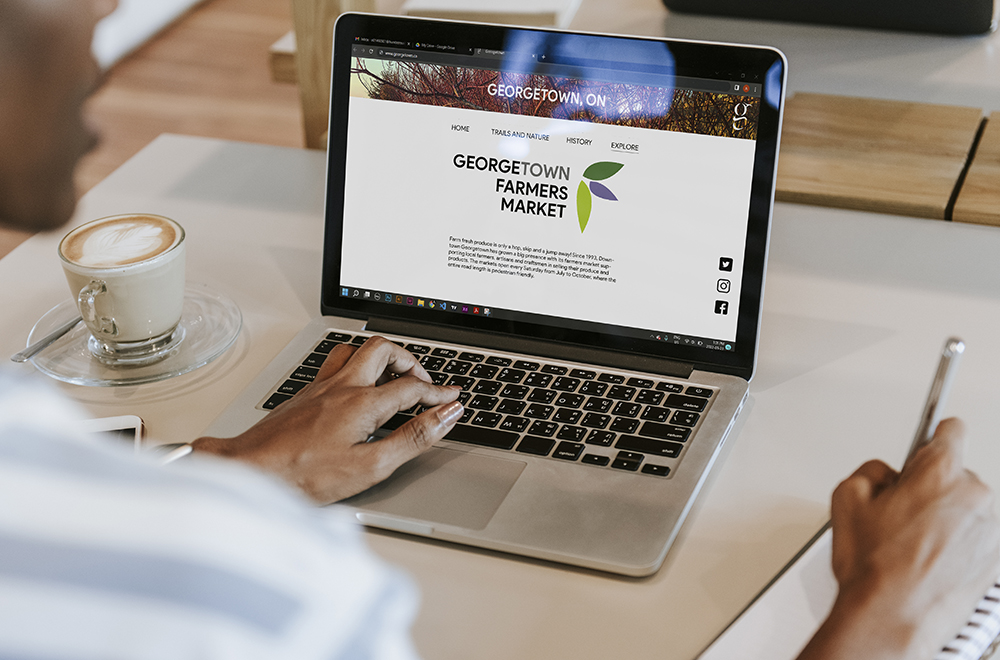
(47, 71)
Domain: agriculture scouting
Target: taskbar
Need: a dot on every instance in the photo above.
(452, 307)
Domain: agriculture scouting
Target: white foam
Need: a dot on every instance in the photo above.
(120, 243)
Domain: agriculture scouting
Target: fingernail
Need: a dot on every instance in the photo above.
(450, 413)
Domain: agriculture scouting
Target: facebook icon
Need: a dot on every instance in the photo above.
(721, 307)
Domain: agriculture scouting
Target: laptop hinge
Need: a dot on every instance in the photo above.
(554, 350)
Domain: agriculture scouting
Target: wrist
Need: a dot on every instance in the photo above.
(863, 624)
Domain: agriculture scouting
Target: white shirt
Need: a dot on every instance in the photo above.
(106, 556)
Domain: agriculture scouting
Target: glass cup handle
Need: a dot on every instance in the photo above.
(88, 294)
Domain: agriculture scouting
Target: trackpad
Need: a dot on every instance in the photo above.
(444, 486)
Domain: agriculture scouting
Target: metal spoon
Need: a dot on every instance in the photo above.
(45, 341)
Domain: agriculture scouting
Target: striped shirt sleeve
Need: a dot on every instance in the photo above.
(103, 555)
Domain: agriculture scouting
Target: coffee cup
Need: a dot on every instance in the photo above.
(126, 273)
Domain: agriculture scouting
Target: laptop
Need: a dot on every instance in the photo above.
(572, 228)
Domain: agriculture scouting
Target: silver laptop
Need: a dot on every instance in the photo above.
(571, 227)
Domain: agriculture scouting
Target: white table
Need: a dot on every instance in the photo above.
(855, 310)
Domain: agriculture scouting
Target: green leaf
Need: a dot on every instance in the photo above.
(583, 204)
(602, 170)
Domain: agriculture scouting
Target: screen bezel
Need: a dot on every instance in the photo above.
(696, 59)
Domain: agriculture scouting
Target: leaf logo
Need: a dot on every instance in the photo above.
(585, 193)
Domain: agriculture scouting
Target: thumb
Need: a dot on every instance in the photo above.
(417, 435)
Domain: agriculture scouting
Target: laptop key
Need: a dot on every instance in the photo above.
(466, 416)
(275, 400)
(566, 384)
(417, 349)
(658, 470)
(568, 451)
(539, 395)
(665, 431)
(684, 418)
(697, 404)
(554, 369)
(339, 337)
(614, 379)
(396, 421)
(471, 357)
(546, 429)
(511, 407)
(510, 375)
(627, 460)
(656, 414)
(487, 387)
(641, 383)
(439, 378)
(499, 361)
(457, 367)
(464, 382)
(699, 391)
(483, 402)
(583, 374)
(601, 438)
(594, 388)
(515, 424)
(669, 387)
(538, 411)
(598, 405)
(485, 437)
(484, 371)
(538, 379)
(292, 387)
(595, 459)
(574, 433)
(360, 339)
(514, 391)
(595, 420)
(569, 400)
(621, 392)
(432, 363)
(463, 397)
(660, 448)
(567, 416)
(325, 346)
(444, 352)
(535, 445)
(314, 360)
(626, 409)
(305, 373)
(650, 397)
(624, 425)
(527, 366)
(489, 419)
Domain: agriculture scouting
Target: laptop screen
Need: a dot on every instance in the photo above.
(579, 188)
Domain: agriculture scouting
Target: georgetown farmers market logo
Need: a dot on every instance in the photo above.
(592, 187)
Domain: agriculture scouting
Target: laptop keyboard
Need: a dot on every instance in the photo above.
(596, 417)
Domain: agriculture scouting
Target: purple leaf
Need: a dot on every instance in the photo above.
(602, 191)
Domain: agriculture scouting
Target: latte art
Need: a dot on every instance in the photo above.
(120, 241)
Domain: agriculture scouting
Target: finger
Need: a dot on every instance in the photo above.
(378, 355)
(413, 438)
(335, 361)
(941, 458)
(405, 392)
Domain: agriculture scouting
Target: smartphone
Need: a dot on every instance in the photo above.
(941, 385)
(123, 428)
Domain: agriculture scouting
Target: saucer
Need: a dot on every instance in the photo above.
(210, 321)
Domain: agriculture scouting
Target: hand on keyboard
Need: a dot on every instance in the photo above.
(319, 440)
